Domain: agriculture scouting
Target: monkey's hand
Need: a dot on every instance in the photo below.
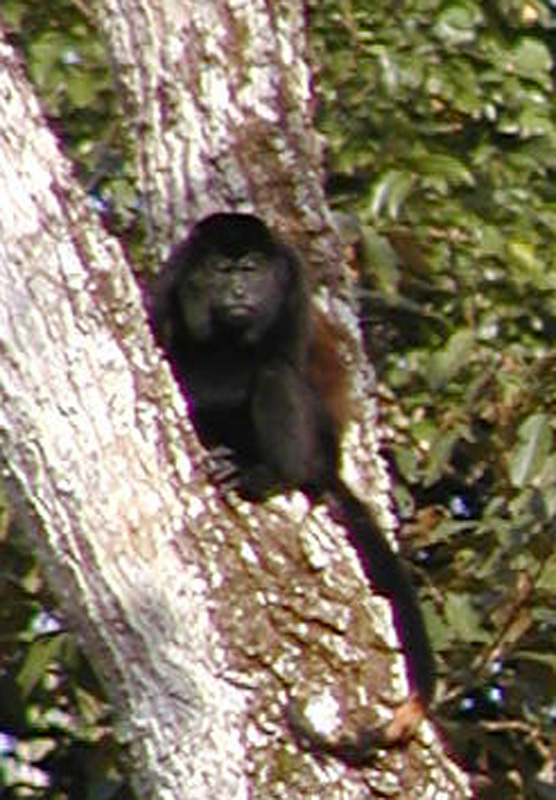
(254, 482)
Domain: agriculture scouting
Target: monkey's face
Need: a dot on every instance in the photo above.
(234, 296)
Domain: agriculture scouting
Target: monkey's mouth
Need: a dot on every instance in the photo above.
(239, 314)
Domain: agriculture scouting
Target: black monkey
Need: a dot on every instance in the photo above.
(266, 389)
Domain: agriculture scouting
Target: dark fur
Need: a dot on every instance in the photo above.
(263, 391)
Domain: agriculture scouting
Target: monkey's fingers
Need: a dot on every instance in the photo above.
(222, 470)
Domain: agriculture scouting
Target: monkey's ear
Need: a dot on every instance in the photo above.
(195, 308)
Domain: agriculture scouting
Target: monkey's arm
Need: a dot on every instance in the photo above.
(288, 425)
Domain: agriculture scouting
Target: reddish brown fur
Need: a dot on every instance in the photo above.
(327, 370)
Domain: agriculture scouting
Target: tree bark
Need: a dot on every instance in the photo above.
(218, 102)
(202, 618)
(95, 449)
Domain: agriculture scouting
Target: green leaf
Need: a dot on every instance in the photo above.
(523, 256)
(543, 658)
(440, 453)
(446, 363)
(448, 167)
(82, 89)
(548, 575)
(492, 240)
(39, 656)
(457, 23)
(390, 192)
(382, 259)
(530, 58)
(463, 617)
(534, 445)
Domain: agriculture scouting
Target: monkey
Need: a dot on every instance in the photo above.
(267, 391)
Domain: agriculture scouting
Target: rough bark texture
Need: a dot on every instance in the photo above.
(202, 618)
(218, 98)
(94, 453)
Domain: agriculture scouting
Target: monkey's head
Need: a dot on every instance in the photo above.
(237, 282)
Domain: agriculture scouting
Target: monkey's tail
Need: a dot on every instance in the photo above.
(389, 577)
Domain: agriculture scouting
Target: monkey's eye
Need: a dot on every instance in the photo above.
(220, 265)
(251, 262)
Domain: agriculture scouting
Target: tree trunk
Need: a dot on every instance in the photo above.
(96, 454)
(201, 618)
(218, 101)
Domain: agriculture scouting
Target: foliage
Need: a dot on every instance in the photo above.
(56, 733)
(66, 61)
(55, 726)
(441, 130)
